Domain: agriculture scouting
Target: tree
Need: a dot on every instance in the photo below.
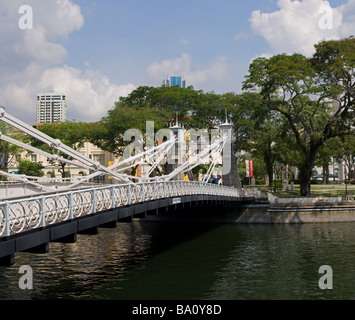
(72, 134)
(346, 154)
(29, 168)
(8, 151)
(260, 131)
(303, 91)
(108, 133)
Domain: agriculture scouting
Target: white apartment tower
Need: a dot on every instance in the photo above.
(51, 107)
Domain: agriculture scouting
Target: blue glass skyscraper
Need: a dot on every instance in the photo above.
(175, 81)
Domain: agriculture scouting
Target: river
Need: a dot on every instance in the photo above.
(179, 260)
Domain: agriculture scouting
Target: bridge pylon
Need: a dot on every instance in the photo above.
(178, 153)
(230, 175)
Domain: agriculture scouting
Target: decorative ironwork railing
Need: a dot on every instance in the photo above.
(26, 214)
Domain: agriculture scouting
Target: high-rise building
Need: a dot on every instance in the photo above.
(175, 81)
(51, 107)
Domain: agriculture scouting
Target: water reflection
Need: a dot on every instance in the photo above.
(70, 270)
(155, 260)
(282, 262)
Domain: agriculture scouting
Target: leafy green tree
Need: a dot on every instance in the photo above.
(302, 90)
(346, 153)
(108, 133)
(72, 134)
(30, 168)
(8, 151)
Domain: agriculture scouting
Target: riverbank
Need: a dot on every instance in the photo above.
(267, 209)
(298, 210)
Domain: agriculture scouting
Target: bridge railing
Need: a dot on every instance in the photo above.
(30, 213)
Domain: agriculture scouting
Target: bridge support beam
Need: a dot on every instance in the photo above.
(125, 219)
(90, 231)
(71, 238)
(109, 225)
(42, 248)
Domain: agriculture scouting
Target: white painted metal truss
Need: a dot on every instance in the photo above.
(153, 157)
(30, 213)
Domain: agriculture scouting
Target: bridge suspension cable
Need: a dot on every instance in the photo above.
(152, 156)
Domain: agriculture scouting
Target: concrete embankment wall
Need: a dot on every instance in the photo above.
(311, 210)
(325, 212)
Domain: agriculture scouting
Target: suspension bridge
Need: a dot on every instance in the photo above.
(35, 211)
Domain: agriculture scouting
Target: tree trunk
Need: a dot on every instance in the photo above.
(62, 169)
(268, 160)
(325, 173)
(270, 172)
(305, 173)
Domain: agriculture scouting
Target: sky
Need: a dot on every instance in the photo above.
(96, 51)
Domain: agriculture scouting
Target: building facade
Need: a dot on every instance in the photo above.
(51, 107)
(175, 81)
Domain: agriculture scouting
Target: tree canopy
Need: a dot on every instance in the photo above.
(314, 95)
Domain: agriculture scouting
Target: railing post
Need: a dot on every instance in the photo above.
(129, 194)
(174, 188)
(155, 190)
(112, 197)
(43, 217)
(164, 195)
(71, 214)
(93, 201)
(7, 219)
(143, 194)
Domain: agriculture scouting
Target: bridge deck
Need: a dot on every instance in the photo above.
(30, 224)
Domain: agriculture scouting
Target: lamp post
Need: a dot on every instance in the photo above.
(346, 181)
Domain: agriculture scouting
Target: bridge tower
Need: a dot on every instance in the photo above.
(230, 175)
(177, 154)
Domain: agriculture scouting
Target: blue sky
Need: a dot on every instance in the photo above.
(98, 50)
(122, 38)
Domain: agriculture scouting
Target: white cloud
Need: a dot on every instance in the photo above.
(32, 61)
(37, 47)
(297, 26)
(89, 93)
(215, 72)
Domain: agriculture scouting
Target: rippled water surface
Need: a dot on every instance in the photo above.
(159, 260)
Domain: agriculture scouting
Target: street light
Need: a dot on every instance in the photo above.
(346, 182)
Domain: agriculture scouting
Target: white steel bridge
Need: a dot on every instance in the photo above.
(52, 213)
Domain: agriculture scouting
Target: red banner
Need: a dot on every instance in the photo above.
(251, 169)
